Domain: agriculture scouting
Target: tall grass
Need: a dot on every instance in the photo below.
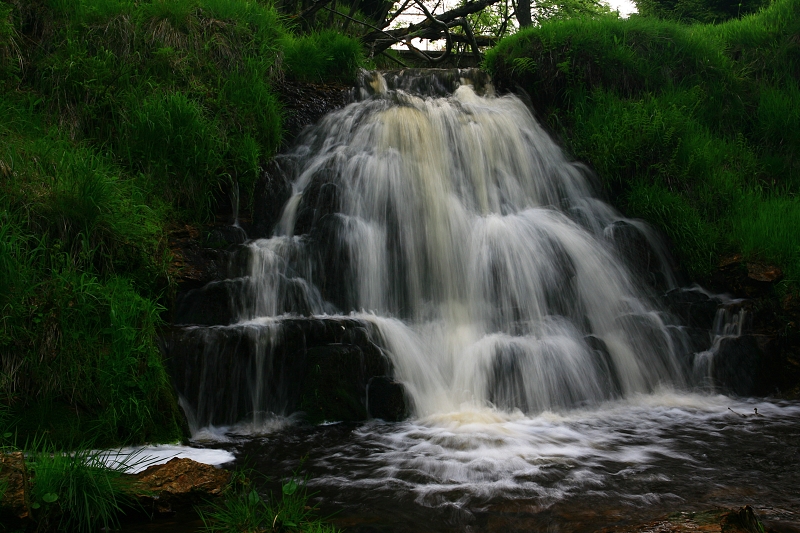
(327, 54)
(694, 128)
(81, 266)
(180, 91)
(118, 118)
(76, 491)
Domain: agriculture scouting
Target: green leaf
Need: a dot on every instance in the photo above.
(7, 435)
(35, 505)
(290, 487)
(50, 497)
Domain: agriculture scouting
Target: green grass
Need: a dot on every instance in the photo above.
(244, 509)
(317, 56)
(76, 491)
(119, 118)
(694, 128)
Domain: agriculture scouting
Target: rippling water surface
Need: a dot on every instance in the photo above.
(581, 470)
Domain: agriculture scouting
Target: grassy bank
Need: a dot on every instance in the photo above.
(117, 120)
(695, 128)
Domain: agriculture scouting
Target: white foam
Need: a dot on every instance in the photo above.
(133, 460)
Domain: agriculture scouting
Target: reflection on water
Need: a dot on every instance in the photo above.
(577, 470)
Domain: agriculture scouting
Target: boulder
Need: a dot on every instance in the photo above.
(179, 483)
(694, 307)
(736, 366)
(386, 399)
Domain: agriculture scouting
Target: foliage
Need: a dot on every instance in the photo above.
(693, 128)
(327, 54)
(244, 509)
(118, 118)
(76, 491)
(81, 261)
(699, 11)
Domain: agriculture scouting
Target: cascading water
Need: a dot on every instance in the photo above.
(449, 241)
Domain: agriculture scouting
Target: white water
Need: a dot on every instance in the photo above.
(540, 366)
(458, 228)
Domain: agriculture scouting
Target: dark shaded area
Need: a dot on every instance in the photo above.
(320, 366)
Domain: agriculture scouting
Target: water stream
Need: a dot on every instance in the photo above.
(547, 385)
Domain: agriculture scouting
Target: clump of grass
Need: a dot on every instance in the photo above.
(693, 128)
(76, 491)
(244, 509)
(324, 55)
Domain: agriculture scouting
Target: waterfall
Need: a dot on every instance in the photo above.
(477, 258)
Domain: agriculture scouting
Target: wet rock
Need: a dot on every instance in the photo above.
(179, 483)
(335, 382)
(637, 252)
(736, 365)
(506, 386)
(320, 200)
(211, 305)
(14, 504)
(272, 191)
(305, 103)
(605, 365)
(693, 307)
(386, 399)
(437, 82)
(320, 366)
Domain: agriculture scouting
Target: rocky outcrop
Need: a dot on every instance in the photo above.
(178, 484)
(321, 366)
